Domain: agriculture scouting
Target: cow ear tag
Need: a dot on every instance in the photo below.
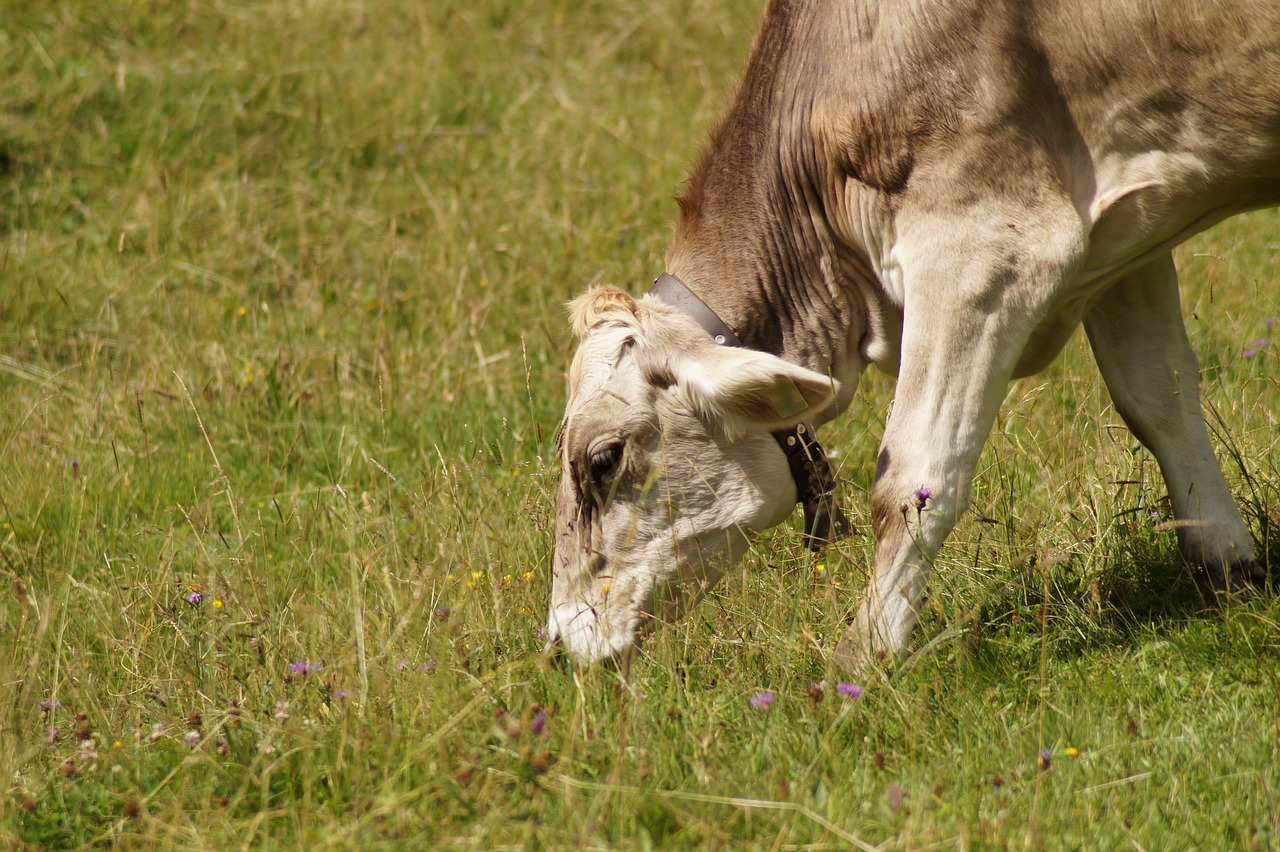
(786, 397)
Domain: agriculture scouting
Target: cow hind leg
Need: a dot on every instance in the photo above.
(1140, 343)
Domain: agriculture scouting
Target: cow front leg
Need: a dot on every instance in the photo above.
(1140, 343)
(957, 360)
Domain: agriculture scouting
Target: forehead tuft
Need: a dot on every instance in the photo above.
(601, 305)
(621, 342)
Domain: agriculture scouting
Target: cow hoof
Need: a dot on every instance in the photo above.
(856, 655)
(851, 657)
(1243, 576)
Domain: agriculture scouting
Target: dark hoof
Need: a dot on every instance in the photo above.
(1238, 577)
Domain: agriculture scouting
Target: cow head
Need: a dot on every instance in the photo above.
(667, 464)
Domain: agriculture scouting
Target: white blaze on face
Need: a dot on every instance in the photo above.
(667, 464)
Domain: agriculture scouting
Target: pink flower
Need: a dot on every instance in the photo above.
(761, 700)
(850, 689)
(923, 495)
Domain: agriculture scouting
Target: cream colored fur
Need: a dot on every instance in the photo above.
(946, 189)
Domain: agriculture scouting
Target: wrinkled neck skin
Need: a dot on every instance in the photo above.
(775, 237)
(831, 317)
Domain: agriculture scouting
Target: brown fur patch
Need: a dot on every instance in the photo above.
(886, 515)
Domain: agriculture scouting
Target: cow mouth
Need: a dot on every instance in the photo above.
(586, 635)
(581, 632)
(612, 631)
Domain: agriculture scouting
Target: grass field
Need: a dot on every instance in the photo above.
(281, 362)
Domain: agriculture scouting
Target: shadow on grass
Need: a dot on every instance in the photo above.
(1074, 609)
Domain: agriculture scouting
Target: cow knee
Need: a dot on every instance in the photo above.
(905, 509)
(886, 513)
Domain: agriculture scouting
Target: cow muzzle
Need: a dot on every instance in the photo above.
(577, 632)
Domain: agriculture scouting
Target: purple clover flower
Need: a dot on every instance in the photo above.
(541, 635)
(194, 598)
(923, 495)
(852, 690)
(302, 668)
(762, 700)
(538, 722)
(191, 740)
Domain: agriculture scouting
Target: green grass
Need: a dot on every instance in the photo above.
(280, 323)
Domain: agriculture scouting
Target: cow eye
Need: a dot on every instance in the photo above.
(604, 463)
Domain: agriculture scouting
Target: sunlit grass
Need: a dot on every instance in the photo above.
(282, 350)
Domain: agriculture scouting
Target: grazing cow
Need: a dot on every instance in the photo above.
(945, 189)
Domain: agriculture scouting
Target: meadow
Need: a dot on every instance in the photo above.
(281, 366)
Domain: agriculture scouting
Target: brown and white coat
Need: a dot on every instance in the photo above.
(946, 189)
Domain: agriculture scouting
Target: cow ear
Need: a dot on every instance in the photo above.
(739, 390)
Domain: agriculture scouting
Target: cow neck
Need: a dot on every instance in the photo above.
(815, 483)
